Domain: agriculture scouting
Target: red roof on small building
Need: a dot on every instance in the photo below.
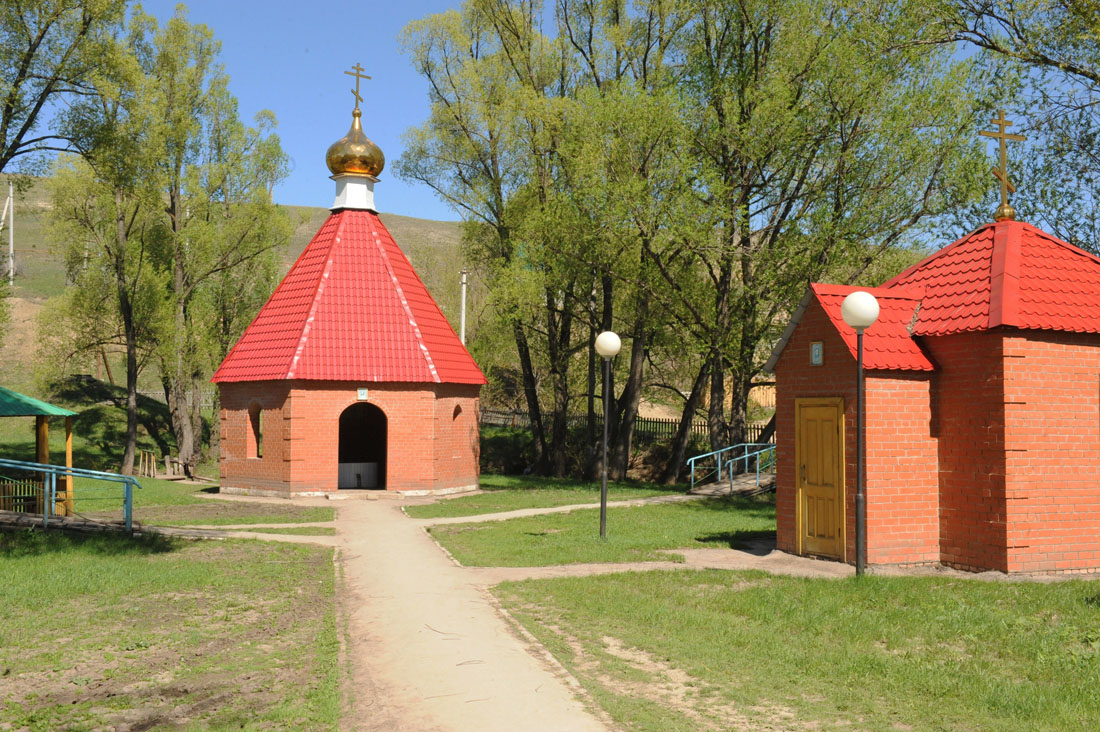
(887, 344)
(1007, 273)
(351, 309)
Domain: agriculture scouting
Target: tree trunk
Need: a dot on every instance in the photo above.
(126, 309)
(559, 326)
(590, 471)
(531, 392)
(632, 393)
(716, 423)
(683, 432)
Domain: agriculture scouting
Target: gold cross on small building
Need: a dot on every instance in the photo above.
(1005, 210)
(357, 72)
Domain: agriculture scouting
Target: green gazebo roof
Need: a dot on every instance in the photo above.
(14, 404)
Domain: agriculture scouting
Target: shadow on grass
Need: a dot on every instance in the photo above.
(498, 482)
(757, 543)
(754, 506)
(25, 542)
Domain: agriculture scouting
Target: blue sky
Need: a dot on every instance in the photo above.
(289, 57)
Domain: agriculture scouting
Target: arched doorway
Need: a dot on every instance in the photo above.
(362, 447)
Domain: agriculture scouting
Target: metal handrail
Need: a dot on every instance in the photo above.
(129, 482)
(729, 461)
(769, 450)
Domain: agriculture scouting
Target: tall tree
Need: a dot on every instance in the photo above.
(48, 49)
(680, 171)
(187, 188)
(823, 137)
(471, 150)
(216, 175)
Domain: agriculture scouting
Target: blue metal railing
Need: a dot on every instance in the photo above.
(51, 472)
(763, 452)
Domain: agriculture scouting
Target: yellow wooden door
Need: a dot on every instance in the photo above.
(819, 460)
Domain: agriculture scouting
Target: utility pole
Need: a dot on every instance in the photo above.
(9, 217)
(462, 312)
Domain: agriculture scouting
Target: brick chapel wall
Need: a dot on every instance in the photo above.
(270, 472)
(968, 419)
(315, 432)
(902, 500)
(301, 435)
(795, 378)
(1052, 441)
(902, 482)
(457, 436)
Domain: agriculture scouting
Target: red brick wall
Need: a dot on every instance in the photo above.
(902, 484)
(457, 442)
(267, 473)
(902, 501)
(968, 421)
(795, 378)
(301, 435)
(1052, 441)
(991, 463)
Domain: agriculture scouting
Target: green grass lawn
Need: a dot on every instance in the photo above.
(633, 534)
(511, 492)
(746, 650)
(105, 631)
(173, 503)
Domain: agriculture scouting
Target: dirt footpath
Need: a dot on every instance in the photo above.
(428, 649)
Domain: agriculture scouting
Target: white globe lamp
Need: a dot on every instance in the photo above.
(859, 310)
(608, 344)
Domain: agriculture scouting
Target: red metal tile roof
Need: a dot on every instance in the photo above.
(1008, 273)
(351, 309)
(1004, 274)
(887, 344)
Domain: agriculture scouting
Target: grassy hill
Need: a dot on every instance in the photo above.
(432, 246)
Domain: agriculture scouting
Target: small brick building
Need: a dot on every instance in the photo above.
(983, 411)
(350, 376)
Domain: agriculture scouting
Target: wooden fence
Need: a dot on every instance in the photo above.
(645, 428)
(23, 496)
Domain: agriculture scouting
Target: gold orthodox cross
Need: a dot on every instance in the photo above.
(357, 72)
(1001, 173)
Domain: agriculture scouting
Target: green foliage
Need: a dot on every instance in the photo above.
(48, 51)
(1051, 96)
(756, 650)
(642, 533)
(169, 229)
(506, 450)
(678, 172)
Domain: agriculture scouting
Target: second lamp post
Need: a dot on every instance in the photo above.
(607, 345)
(860, 311)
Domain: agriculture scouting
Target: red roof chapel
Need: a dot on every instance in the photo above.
(349, 377)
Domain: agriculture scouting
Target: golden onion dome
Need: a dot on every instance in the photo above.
(355, 154)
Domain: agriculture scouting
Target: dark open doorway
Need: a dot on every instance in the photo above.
(362, 447)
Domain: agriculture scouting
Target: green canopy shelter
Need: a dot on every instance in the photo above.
(14, 404)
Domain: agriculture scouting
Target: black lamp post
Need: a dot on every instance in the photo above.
(607, 345)
(860, 311)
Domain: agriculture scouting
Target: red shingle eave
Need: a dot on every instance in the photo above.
(887, 345)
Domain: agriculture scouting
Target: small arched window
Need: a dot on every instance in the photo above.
(255, 431)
